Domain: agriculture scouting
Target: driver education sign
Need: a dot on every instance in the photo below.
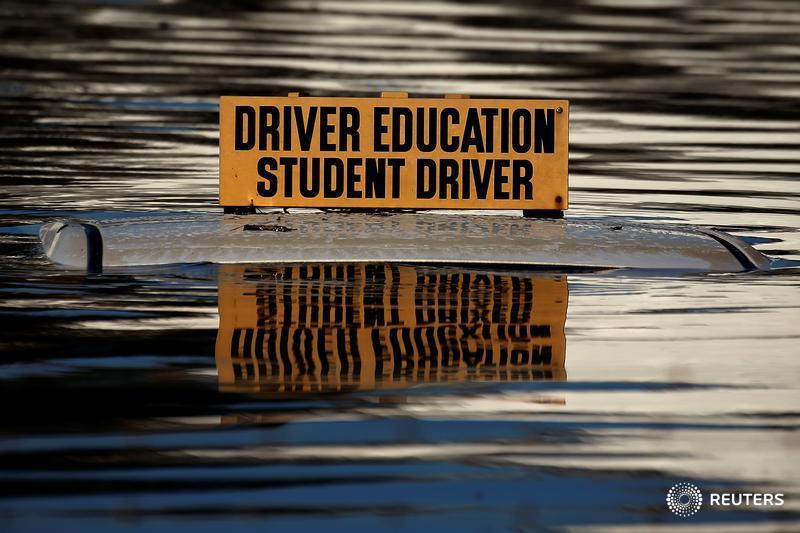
(393, 152)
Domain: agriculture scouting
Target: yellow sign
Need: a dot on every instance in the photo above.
(393, 152)
(330, 327)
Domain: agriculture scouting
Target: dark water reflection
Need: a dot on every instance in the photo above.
(131, 402)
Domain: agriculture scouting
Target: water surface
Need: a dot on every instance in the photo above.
(201, 397)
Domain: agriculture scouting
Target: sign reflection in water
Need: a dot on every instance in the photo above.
(317, 328)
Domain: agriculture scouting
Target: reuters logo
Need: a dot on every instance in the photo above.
(684, 499)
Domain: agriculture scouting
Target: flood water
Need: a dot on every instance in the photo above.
(362, 397)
